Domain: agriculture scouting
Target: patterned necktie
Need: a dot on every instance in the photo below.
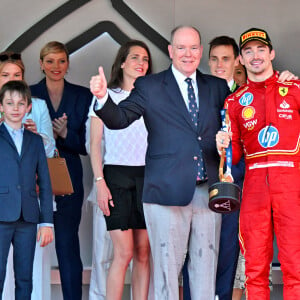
(193, 108)
(194, 112)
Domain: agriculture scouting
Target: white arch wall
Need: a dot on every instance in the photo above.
(214, 17)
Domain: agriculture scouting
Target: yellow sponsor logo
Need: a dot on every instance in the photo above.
(248, 112)
(254, 34)
(283, 91)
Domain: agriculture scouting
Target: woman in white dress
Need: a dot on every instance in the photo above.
(118, 188)
(38, 121)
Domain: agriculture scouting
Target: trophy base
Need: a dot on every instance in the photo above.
(224, 197)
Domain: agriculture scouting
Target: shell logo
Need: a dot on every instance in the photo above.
(248, 112)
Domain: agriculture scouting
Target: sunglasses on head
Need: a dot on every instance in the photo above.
(13, 56)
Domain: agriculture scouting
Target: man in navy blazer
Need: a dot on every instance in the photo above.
(175, 204)
(23, 164)
(223, 58)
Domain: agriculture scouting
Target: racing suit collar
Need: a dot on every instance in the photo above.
(263, 84)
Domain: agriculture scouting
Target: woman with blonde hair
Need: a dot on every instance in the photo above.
(68, 106)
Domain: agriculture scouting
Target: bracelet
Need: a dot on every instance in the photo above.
(99, 178)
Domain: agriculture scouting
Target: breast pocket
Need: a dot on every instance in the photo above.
(4, 190)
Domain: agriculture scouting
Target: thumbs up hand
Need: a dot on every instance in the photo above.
(98, 84)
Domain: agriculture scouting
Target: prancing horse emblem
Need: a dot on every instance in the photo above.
(283, 91)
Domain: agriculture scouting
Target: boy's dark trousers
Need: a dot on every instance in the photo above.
(22, 235)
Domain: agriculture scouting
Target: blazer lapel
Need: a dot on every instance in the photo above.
(174, 93)
(5, 134)
(204, 97)
(25, 143)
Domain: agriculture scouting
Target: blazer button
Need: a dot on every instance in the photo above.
(199, 138)
(195, 157)
(18, 187)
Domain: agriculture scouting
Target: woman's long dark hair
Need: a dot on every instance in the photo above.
(116, 76)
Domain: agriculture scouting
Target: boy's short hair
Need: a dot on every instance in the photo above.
(18, 86)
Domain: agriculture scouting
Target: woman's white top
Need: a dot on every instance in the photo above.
(127, 146)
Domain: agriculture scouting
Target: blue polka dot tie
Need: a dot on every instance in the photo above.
(194, 112)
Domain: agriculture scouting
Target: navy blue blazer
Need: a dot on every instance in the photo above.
(18, 177)
(75, 102)
(173, 140)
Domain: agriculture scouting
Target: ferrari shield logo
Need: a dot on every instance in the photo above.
(283, 91)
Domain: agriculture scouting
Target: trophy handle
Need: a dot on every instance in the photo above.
(227, 177)
(221, 166)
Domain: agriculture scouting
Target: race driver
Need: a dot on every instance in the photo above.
(265, 126)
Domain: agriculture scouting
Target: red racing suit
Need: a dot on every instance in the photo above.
(265, 124)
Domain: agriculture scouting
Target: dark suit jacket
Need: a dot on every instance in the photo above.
(75, 102)
(173, 141)
(18, 177)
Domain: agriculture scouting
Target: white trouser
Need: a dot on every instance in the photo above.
(174, 230)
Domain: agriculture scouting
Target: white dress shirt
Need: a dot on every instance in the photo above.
(183, 86)
(16, 135)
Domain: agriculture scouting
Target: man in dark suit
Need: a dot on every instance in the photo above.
(181, 137)
(23, 164)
